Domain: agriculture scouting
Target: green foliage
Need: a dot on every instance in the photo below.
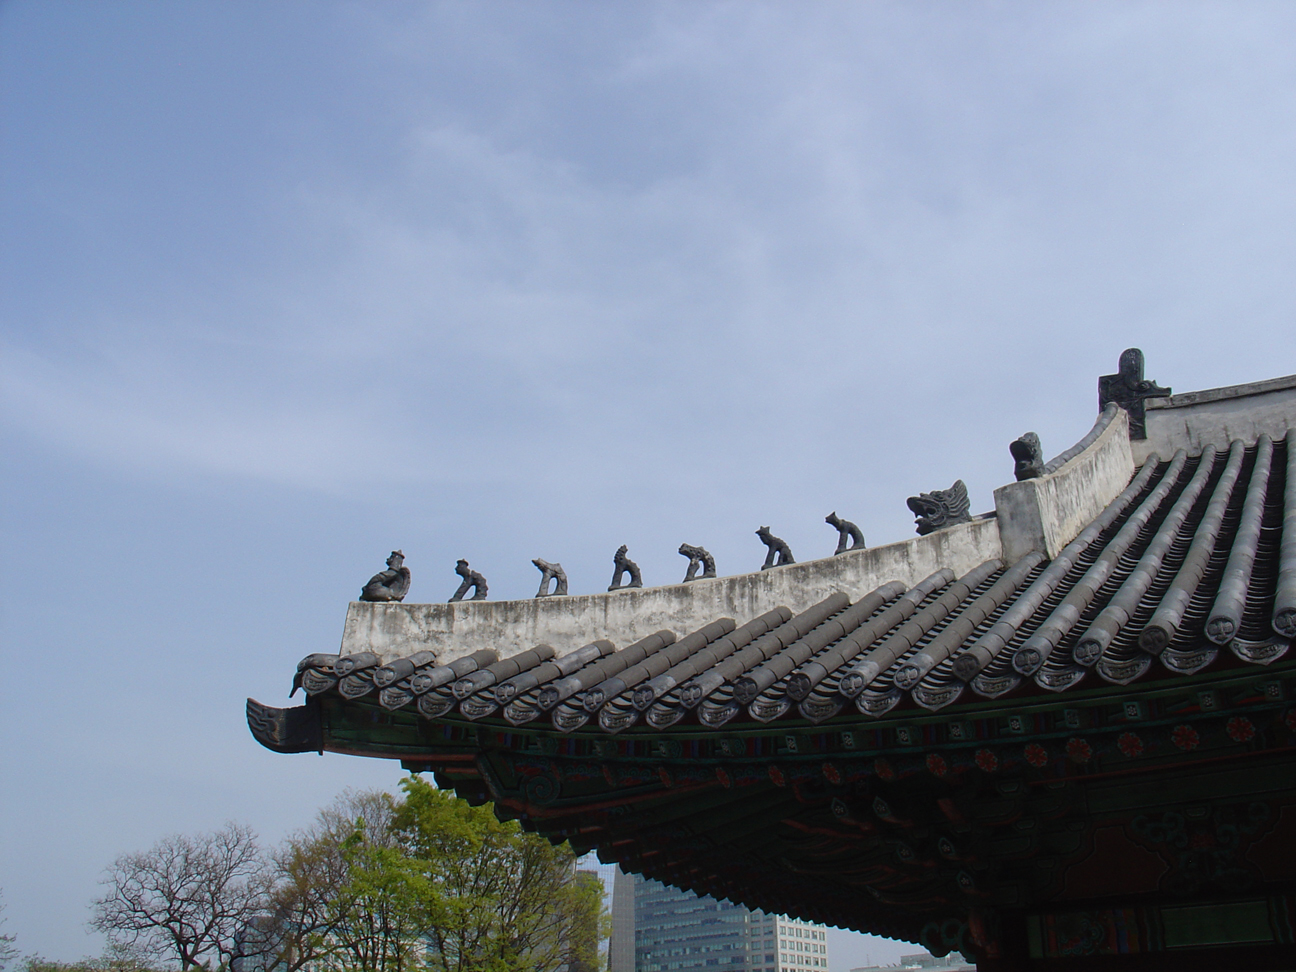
(491, 897)
(428, 882)
(419, 883)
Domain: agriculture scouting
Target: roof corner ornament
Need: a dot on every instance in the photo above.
(471, 579)
(778, 554)
(391, 584)
(698, 557)
(1129, 389)
(1029, 455)
(847, 533)
(621, 564)
(940, 508)
(551, 572)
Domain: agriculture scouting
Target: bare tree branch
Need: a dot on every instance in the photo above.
(189, 897)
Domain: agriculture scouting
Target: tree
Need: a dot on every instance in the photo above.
(333, 901)
(189, 897)
(114, 959)
(8, 952)
(490, 897)
(385, 885)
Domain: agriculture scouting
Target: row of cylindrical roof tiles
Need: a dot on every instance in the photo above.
(1196, 556)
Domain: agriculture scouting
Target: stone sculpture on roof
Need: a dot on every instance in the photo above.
(391, 584)
(1130, 390)
(550, 572)
(622, 565)
(1028, 455)
(778, 554)
(849, 536)
(940, 508)
(697, 557)
(472, 581)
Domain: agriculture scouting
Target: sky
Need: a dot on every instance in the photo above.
(288, 286)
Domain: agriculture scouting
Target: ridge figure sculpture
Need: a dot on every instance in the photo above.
(698, 557)
(777, 548)
(391, 584)
(940, 508)
(1129, 389)
(847, 532)
(551, 572)
(1029, 456)
(621, 564)
(471, 579)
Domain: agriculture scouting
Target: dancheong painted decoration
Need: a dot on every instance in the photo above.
(1061, 735)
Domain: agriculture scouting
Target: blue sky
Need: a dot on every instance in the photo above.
(287, 286)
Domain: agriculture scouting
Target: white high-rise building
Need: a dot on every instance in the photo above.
(783, 944)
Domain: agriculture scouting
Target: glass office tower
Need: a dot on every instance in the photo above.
(677, 931)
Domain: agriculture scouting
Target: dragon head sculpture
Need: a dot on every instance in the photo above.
(940, 508)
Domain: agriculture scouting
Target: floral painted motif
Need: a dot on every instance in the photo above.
(1130, 744)
(1240, 729)
(1290, 719)
(776, 776)
(831, 773)
(883, 769)
(723, 777)
(1185, 737)
(936, 764)
(664, 775)
(987, 761)
(1079, 751)
(1036, 755)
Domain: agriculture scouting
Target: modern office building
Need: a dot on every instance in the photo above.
(678, 931)
(621, 948)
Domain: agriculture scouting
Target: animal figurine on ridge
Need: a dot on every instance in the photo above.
(391, 584)
(551, 572)
(471, 579)
(698, 557)
(849, 536)
(779, 553)
(621, 564)
(1028, 455)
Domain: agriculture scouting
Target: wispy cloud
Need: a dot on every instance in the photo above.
(708, 231)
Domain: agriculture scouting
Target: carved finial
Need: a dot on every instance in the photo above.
(471, 579)
(389, 585)
(941, 507)
(621, 564)
(776, 548)
(1029, 455)
(847, 533)
(551, 572)
(698, 557)
(1129, 389)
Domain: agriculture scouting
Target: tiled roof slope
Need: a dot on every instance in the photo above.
(1192, 566)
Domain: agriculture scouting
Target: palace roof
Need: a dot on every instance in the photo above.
(912, 740)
